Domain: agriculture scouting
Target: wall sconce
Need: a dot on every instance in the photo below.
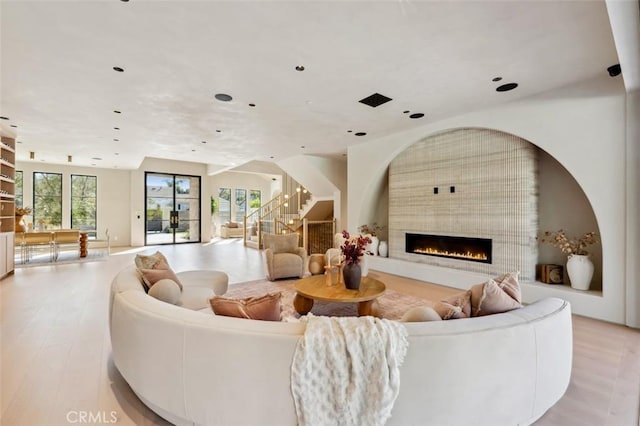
(286, 196)
(290, 221)
(69, 158)
(304, 191)
(298, 189)
(32, 155)
(286, 204)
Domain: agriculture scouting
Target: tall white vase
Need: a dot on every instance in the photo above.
(383, 249)
(580, 270)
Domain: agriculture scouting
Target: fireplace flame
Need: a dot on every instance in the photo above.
(467, 255)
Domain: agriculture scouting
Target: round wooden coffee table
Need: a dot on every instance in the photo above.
(314, 288)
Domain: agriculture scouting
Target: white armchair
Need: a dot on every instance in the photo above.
(284, 258)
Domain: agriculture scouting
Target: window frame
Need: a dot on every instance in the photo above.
(95, 218)
(36, 195)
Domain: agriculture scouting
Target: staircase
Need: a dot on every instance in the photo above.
(296, 211)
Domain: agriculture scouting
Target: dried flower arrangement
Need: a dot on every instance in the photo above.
(372, 230)
(353, 247)
(568, 245)
(22, 211)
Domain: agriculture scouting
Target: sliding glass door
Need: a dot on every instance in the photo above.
(172, 212)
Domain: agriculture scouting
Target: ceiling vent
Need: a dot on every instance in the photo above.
(375, 100)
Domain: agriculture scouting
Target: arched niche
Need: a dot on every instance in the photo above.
(561, 203)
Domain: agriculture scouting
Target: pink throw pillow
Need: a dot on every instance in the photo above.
(265, 308)
(494, 300)
(454, 307)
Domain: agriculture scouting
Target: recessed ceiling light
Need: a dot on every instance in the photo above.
(117, 112)
(272, 157)
(203, 142)
(360, 134)
(116, 153)
(96, 158)
(116, 128)
(299, 67)
(19, 142)
(223, 97)
(118, 69)
(12, 125)
(496, 79)
(193, 150)
(252, 105)
(302, 146)
(406, 111)
(349, 131)
(506, 87)
(4, 118)
(125, 1)
(116, 140)
(614, 70)
(219, 131)
(93, 164)
(417, 115)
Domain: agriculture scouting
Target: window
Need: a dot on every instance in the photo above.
(84, 195)
(47, 200)
(19, 190)
(241, 205)
(254, 200)
(224, 213)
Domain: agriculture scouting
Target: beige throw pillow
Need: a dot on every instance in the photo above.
(166, 290)
(265, 308)
(421, 314)
(454, 307)
(148, 261)
(497, 295)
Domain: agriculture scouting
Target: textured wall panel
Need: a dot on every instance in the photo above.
(495, 197)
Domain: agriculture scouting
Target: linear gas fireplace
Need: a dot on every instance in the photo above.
(463, 248)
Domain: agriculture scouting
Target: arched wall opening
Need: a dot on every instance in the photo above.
(494, 197)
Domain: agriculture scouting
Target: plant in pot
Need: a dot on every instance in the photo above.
(579, 265)
(20, 213)
(353, 249)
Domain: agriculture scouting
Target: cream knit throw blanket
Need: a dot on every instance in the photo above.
(346, 370)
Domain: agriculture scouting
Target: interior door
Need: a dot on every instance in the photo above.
(172, 208)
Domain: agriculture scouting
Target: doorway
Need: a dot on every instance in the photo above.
(172, 209)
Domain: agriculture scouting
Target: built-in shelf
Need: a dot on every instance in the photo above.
(4, 179)
(7, 147)
(6, 163)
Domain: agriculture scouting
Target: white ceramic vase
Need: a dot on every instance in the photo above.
(580, 270)
(383, 249)
(373, 246)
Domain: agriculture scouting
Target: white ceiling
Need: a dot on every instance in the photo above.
(433, 57)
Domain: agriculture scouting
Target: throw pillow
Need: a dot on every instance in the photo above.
(421, 314)
(148, 261)
(454, 307)
(151, 276)
(265, 308)
(232, 224)
(166, 290)
(494, 300)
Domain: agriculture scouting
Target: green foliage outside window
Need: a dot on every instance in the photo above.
(84, 195)
(47, 200)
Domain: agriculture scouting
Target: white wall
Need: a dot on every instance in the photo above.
(633, 209)
(135, 213)
(583, 127)
(113, 196)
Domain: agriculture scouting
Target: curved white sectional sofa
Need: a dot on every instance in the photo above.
(193, 367)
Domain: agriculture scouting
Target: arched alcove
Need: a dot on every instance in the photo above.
(559, 201)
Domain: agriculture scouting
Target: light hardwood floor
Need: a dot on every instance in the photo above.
(56, 354)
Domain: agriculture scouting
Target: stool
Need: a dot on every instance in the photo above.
(316, 264)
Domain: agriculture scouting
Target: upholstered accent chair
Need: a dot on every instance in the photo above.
(284, 258)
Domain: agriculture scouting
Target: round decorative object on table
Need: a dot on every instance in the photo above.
(352, 275)
(580, 270)
(383, 249)
(316, 264)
